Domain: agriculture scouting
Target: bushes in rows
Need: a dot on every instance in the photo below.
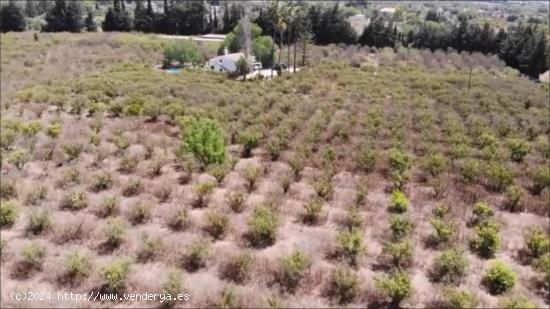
(76, 267)
(350, 245)
(401, 226)
(399, 253)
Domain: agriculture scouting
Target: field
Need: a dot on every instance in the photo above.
(343, 184)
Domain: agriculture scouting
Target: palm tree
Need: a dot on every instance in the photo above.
(281, 26)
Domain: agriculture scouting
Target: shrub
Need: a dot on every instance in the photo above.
(344, 284)
(114, 275)
(195, 255)
(274, 148)
(102, 181)
(202, 189)
(54, 129)
(293, 268)
(401, 226)
(367, 159)
(38, 222)
(114, 232)
(323, 187)
(182, 52)
(251, 173)
(536, 241)
(350, 245)
(482, 212)
(219, 171)
(76, 266)
(514, 196)
(455, 298)
(355, 219)
(237, 268)
(7, 189)
(71, 176)
(18, 157)
(470, 170)
(397, 286)
(399, 161)
(236, 201)
(541, 179)
(486, 240)
(132, 187)
(443, 231)
(498, 277)
(312, 211)
(450, 266)
(121, 141)
(7, 137)
(499, 176)
(128, 163)
(203, 138)
(218, 223)
(172, 287)
(296, 164)
(150, 247)
(400, 253)
(263, 226)
(140, 213)
(434, 164)
(285, 182)
(108, 207)
(249, 139)
(29, 129)
(8, 214)
(516, 302)
(156, 165)
(178, 219)
(227, 298)
(519, 148)
(33, 256)
(398, 202)
(75, 200)
(36, 195)
(72, 150)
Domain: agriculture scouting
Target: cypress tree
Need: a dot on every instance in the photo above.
(11, 18)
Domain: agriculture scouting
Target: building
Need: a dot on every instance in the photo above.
(387, 11)
(227, 63)
(358, 22)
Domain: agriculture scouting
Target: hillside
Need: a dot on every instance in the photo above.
(354, 172)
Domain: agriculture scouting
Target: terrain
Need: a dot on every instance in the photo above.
(335, 164)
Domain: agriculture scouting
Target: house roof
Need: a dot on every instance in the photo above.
(235, 57)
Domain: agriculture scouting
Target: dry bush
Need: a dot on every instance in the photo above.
(237, 268)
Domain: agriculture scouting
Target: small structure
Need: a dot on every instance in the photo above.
(358, 22)
(387, 11)
(227, 63)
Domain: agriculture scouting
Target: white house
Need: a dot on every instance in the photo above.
(227, 63)
(387, 11)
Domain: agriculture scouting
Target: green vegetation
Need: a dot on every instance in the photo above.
(195, 255)
(182, 52)
(237, 268)
(33, 255)
(486, 240)
(8, 213)
(344, 284)
(263, 226)
(450, 266)
(536, 241)
(292, 269)
(516, 302)
(456, 298)
(114, 275)
(397, 286)
(398, 202)
(204, 139)
(76, 266)
(350, 245)
(498, 277)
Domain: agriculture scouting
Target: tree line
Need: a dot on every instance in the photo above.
(523, 47)
(297, 24)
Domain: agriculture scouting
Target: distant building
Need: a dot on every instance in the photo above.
(227, 63)
(358, 23)
(387, 11)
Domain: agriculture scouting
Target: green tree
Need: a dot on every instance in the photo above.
(262, 49)
(182, 51)
(89, 22)
(203, 138)
(117, 19)
(11, 18)
(64, 16)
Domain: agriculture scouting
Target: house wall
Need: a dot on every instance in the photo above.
(222, 64)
